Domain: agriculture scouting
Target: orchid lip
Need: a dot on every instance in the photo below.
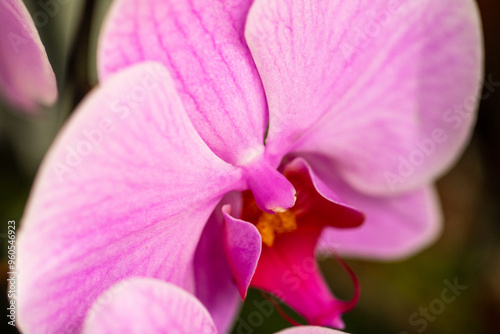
(289, 238)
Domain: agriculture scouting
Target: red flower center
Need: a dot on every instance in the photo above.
(310, 208)
(287, 266)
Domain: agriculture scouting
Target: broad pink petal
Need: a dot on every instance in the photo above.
(125, 191)
(202, 44)
(309, 330)
(395, 226)
(26, 78)
(243, 246)
(215, 286)
(145, 305)
(369, 83)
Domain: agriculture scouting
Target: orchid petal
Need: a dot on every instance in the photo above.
(309, 330)
(395, 227)
(26, 77)
(125, 191)
(201, 42)
(215, 286)
(243, 246)
(369, 83)
(145, 305)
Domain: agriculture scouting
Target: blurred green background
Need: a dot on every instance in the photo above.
(469, 249)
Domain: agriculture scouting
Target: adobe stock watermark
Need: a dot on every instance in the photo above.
(380, 20)
(12, 273)
(119, 110)
(421, 318)
(453, 118)
(255, 319)
(48, 10)
(371, 29)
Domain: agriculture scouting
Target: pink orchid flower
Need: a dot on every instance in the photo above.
(26, 77)
(145, 305)
(228, 142)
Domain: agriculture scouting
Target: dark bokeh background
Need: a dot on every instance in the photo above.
(469, 249)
